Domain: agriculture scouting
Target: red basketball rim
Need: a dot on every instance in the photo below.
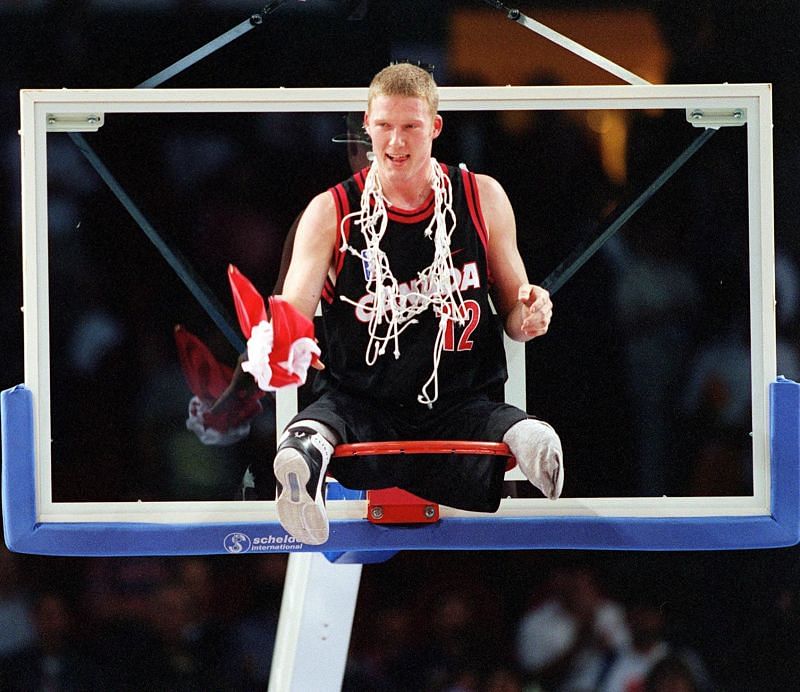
(356, 449)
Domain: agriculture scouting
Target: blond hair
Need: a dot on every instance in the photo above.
(404, 79)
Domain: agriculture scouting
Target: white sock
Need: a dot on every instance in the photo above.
(537, 449)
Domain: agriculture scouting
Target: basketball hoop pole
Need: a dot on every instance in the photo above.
(210, 47)
(572, 46)
(172, 256)
(585, 250)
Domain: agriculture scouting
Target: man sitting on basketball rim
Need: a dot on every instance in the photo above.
(404, 257)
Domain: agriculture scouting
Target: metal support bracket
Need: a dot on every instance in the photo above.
(711, 117)
(396, 506)
(567, 43)
(74, 122)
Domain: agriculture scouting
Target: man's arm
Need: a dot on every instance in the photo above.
(314, 244)
(525, 309)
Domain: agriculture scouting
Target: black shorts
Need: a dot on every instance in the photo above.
(471, 482)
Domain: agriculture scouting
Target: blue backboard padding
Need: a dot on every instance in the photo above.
(784, 398)
(19, 464)
(359, 540)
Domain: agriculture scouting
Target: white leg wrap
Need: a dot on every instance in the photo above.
(537, 449)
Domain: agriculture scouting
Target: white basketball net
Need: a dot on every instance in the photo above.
(391, 309)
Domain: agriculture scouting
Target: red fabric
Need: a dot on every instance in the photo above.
(249, 304)
(288, 325)
(208, 378)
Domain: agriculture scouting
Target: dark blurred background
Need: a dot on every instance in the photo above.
(645, 372)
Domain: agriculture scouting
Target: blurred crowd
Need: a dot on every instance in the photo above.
(645, 372)
(427, 622)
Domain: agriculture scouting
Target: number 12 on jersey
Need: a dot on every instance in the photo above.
(471, 315)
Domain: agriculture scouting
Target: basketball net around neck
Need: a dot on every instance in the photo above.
(392, 310)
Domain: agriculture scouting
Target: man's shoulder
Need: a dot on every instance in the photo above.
(483, 180)
(489, 188)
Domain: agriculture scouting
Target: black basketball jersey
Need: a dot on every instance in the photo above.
(473, 357)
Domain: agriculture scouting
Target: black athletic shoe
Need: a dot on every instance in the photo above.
(300, 466)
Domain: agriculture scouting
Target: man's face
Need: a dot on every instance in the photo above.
(402, 130)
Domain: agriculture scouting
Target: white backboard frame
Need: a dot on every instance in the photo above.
(43, 108)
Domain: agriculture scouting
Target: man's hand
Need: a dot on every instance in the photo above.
(537, 310)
